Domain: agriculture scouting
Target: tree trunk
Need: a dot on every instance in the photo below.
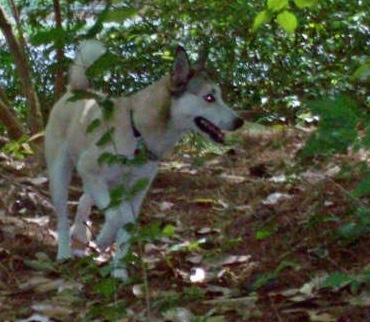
(59, 79)
(23, 69)
(9, 119)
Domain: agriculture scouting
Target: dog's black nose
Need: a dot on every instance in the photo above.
(238, 123)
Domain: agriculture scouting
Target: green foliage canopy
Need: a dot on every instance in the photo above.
(298, 50)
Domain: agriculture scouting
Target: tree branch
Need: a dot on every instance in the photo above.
(59, 79)
(23, 69)
(9, 119)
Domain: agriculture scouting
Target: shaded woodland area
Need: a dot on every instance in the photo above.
(273, 226)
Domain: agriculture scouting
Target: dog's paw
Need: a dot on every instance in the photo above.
(64, 255)
(81, 233)
(120, 273)
(81, 252)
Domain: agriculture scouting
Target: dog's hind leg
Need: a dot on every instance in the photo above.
(60, 173)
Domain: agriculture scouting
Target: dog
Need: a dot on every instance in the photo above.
(143, 127)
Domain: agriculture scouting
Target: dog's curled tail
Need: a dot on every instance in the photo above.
(88, 52)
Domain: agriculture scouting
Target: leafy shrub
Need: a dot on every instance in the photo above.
(337, 128)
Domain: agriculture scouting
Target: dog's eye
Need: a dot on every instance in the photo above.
(210, 98)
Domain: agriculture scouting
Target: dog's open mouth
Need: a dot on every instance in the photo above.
(209, 128)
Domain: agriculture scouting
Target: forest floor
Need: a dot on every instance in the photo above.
(249, 233)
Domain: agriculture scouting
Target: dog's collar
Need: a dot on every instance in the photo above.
(142, 149)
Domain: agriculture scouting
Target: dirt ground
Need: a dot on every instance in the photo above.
(247, 233)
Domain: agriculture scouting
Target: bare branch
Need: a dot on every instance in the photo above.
(59, 79)
(23, 69)
(8, 117)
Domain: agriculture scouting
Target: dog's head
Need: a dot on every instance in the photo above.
(197, 100)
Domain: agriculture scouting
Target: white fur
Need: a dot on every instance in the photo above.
(160, 117)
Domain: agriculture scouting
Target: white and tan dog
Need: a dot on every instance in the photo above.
(147, 123)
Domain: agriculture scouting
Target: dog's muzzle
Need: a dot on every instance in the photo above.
(209, 128)
(214, 132)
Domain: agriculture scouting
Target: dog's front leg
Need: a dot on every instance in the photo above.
(80, 233)
(128, 212)
(117, 218)
(115, 222)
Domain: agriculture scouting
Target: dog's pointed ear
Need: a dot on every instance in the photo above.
(180, 71)
(181, 65)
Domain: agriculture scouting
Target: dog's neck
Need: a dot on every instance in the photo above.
(151, 116)
(141, 147)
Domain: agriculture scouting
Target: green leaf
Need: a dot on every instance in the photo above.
(150, 232)
(82, 94)
(263, 280)
(139, 185)
(337, 126)
(169, 230)
(366, 139)
(363, 188)
(261, 18)
(263, 234)
(105, 271)
(337, 280)
(286, 264)
(363, 72)
(56, 35)
(107, 287)
(18, 148)
(305, 3)
(104, 63)
(106, 138)
(277, 5)
(287, 21)
(108, 108)
(107, 158)
(117, 195)
(93, 126)
(46, 266)
(351, 232)
(120, 14)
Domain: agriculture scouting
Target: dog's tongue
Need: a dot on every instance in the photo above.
(212, 130)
